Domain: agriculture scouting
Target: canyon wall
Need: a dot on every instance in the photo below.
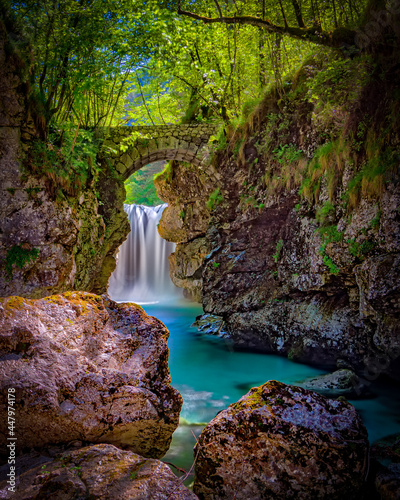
(52, 239)
(296, 246)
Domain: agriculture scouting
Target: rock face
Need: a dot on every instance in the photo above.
(301, 251)
(50, 242)
(342, 382)
(385, 465)
(86, 368)
(186, 190)
(100, 471)
(282, 442)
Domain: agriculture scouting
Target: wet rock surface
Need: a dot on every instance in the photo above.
(99, 471)
(342, 382)
(282, 442)
(86, 368)
(385, 462)
(210, 324)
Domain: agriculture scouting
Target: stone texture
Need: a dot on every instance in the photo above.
(343, 382)
(387, 482)
(86, 368)
(186, 189)
(314, 301)
(131, 148)
(100, 471)
(282, 442)
(76, 237)
(385, 461)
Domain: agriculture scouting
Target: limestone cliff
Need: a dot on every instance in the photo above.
(186, 190)
(52, 239)
(303, 227)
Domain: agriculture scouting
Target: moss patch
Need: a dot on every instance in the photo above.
(19, 256)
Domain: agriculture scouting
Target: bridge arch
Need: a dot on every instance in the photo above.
(131, 148)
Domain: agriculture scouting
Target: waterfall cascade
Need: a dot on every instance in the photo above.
(142, 272)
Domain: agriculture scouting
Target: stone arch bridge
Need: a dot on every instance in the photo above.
(131, 148)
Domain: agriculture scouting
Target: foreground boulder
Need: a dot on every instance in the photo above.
(98, 471)
(82, 367)
(280, 442)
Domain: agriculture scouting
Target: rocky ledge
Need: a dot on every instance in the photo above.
(82, 367)
(281, 442)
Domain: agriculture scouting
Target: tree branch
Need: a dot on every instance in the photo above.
(335, 39)
(218, 8)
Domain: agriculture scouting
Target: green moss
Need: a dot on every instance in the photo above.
(360, 250)
(329, 234)
(214, 199)
(333, 269)
(19, 256)
(375, 221)
(288, 153)
(279, 247)
(166, 174)
(324, 213)
(15, 303)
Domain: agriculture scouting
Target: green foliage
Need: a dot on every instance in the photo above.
(219, 140)
(326, 212)
(102, 62)
(376, 220)
(67, 163)
(19, 256)
(279, 247)
(214, 199)
(370, 180)
(140, 188)
(360, 250)
(182, 214)
(328, 161)
(167, 173)
(329, 234)
(216, 264)
(288, 153)
(333, 269)
(338, 82)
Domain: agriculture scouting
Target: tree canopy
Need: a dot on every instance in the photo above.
(107, 62)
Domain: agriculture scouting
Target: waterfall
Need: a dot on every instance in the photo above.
(142, 272)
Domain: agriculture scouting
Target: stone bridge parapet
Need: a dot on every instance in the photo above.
(130, 148)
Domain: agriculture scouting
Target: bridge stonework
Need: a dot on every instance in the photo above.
(130, 148)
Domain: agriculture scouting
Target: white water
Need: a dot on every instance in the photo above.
(142, 272)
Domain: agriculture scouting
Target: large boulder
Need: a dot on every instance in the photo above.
(82, 367)
(98, 471)
(280, 441)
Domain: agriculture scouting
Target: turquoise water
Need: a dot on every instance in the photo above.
(210, 376)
